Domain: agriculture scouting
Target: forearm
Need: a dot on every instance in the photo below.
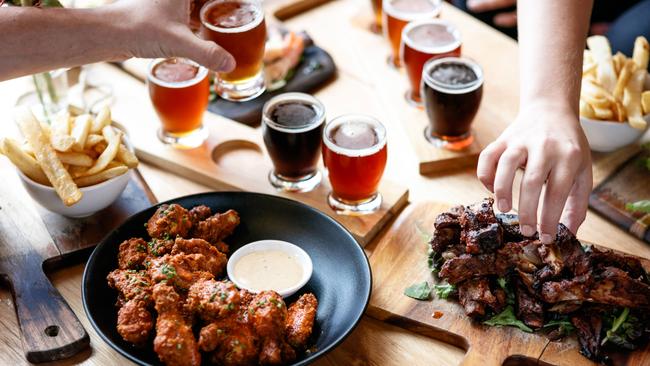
(551, 42)
(35, 40)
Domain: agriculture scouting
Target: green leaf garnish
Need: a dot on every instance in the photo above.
(418, 291)
(507, 318)
(443, 291)
(639, 206)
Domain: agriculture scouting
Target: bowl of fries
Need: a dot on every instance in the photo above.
(75, 167)
(615, 94)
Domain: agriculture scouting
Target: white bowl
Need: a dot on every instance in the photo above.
(606, 136)
(295, 251)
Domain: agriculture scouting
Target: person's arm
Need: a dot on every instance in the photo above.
(546, 138)
(35, 39)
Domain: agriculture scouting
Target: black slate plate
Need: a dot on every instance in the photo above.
(315, 70)
(341, 280)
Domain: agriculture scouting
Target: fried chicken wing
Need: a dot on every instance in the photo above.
(158, 247)
(267, 316)
(215, 261)
(212, 300)
(169, 221)
(180, 270)
(174, 343)
(217, 227)
(132, 254)
(300, 320)
(135, 322)
(199, 213)
(232, 342)
(131, 284)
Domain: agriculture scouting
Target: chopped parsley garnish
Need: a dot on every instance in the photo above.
(230, 307)
(444, 290)
(418, 291)
(168, 271)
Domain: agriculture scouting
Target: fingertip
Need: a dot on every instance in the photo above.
(546, 238)
(228, 63)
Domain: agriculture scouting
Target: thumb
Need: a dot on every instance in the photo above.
(207, 53)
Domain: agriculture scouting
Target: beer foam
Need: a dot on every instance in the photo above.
(411, 13)
(314, 103)
(431, 44)
(437, 85)
(355, 130)
(200, 75)
(259, 17)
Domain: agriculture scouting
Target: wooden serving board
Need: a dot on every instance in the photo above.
(400, 259)
(31, 239)
(628, 183)
(500, 99)
(232, 158)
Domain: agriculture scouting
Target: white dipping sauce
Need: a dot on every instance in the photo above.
(268, 270)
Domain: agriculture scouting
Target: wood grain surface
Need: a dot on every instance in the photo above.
(400, 259)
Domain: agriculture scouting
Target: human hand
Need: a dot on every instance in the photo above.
(548, 143)
(504, 19)
(160, 28)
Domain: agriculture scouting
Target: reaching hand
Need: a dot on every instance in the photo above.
(160, 28)
(505, 19)
(548, 143)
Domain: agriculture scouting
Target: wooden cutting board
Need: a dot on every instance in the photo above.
(400, 259)
(32, 239)
(233, 157)
(628, 183)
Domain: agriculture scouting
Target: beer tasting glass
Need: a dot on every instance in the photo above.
(452, 88)
(398, 13)
(376, 9)
(179, 91)
(238, 26)
(354, 153)
(292, 127)
(421, 41)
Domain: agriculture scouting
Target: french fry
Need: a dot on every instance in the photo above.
(80, 131)
(637, 122)
(618, 60)
(100, 147)
(597, 101)
(589, 69)
(641, 52)
(47, 131)
(23, 161)
(114, 164)
(75, 158)
(102, 176)
(92, 140)
(102, 120)
(620, 114)
(587, 57)
(27, 148)
(624, 78)
(603, 113)
(602, 55)
(127, 157)
(77, 171)
(60, 137)
(632, 98)
(109, 153)
(47, 158)
(645, 102)
(586, 110)
(596, 91)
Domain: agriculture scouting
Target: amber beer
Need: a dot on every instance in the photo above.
(423, 40)
(398, 13)
(179, 91)
(239, 27)
(376, 9)
(354, 153)
(292, 127)
(452, 89)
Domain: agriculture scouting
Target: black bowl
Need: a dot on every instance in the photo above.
(341, 279)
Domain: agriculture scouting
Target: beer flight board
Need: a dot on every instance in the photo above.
(233, 157)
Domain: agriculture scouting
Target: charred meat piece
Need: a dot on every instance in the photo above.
(231, 343)
(588, 323)
(574, 289)
(180, 270)
(613, 286)
(447, 230)
(600, 259)
(135, 322)
(199, 213)
(529, 309)
(571, 250)
(475, 295)
(268, 316)
(521, 255)
(159, 247)
(467, 266)
(485, 240)
(169, 221)
(511, 228)
(174, 343)
(550, 255)
(480, 230)
(300, 320)
(132, 254)
(212, 300)
(217, 227)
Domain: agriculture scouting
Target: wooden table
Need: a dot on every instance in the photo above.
(372, 342)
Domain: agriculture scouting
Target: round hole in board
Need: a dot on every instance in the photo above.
(52, 330)
(232, 146)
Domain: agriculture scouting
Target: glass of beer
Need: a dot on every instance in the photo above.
(376, 9)
(354, 153)
(238, 26)
(452, 88)
(423, 40)
(179, 91)
(292, 127)
(398, 13)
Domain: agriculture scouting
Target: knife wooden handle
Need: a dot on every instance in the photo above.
(50, 329)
